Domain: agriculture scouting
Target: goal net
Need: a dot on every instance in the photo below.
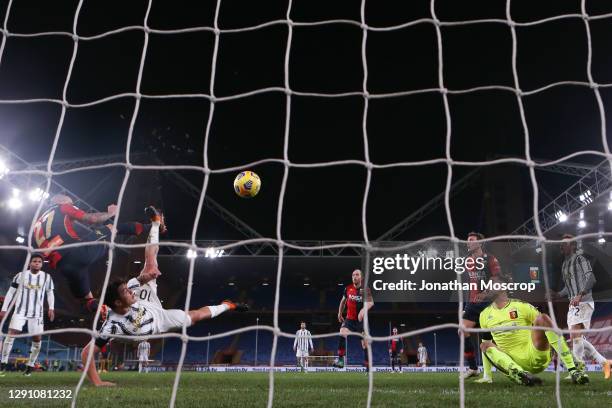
(330, 80)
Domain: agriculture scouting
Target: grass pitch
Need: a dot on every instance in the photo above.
(332, 389)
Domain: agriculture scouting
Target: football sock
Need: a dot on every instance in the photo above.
(6, 348)
(592, 352)
(501, 360)
(34, 351)
(217, 310)
(578, 349)
(558, 343)
(154, 233)
(486, 367)
(469, 354)
(341, 347)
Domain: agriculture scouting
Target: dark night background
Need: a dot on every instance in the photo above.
(321, 204)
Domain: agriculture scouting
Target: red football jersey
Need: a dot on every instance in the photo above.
(354, 300)
(491, 268)
(55, 227)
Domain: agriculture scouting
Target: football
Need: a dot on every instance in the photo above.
(247, 184)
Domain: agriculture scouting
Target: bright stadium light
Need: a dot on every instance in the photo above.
(610, 202)
(20, 240)
(38, 195)
(213, 253)
(586, 197)
(191, 254)
(4, 170)
(137, 262)
(231, 284)
(561, 216)
(265, 284)
(538, 250)
(582, 222)
(601, 240)
(15, 203)
(306, 284)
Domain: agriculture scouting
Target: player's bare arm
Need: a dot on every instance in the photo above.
(100, 217)
(341, 309)
(92, 373)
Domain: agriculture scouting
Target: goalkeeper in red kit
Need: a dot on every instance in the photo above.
(357, 300)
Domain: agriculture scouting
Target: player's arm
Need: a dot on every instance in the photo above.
(88, 218)
(529, 311)
(341, 308)
(136, 282)
(485, 336)
(295, 341)
(561, 294)
(92, 373)
(310, 340)
(367, 304)
(9, 295)
(51, 303)
(585, 266)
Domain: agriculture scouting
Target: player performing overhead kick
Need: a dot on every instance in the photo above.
(132, 316)
(63, 223)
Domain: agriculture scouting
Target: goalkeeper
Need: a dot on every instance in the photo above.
(521, 353)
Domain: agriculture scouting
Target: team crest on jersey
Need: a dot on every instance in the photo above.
(138, 319)
(513, 314)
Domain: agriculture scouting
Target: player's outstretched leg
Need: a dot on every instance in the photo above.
(558, 343)
(487, 377)
(153, 230)
(506, 365)
(589, 350)
(210, 312)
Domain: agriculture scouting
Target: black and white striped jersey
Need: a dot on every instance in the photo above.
(144, 348)
(578, 277)
(138, 321)
(302, 340)
(30, 290)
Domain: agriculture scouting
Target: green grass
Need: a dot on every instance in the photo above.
(333, 389)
